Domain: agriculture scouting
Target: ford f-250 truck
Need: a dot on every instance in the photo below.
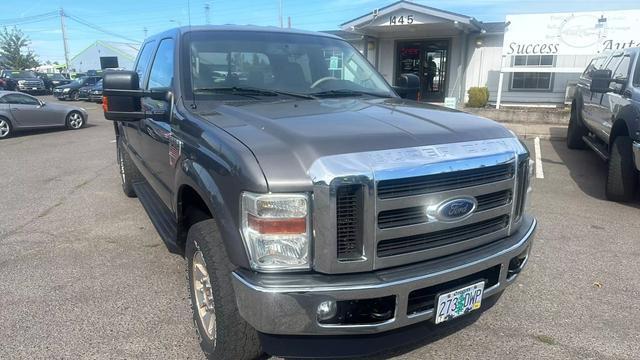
(319, 213)
(605, 116)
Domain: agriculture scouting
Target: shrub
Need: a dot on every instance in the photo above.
(478, 97)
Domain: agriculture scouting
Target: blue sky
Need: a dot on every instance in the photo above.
(129, 17)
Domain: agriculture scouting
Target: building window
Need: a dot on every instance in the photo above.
(532, 80)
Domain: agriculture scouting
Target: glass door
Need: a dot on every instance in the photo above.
(428, 61)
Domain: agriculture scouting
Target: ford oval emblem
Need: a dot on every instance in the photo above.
(456, 209)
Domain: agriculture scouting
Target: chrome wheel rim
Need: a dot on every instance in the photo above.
(4, 128)
(75, 120)
(203, 295)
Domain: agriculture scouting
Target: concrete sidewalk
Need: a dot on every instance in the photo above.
(543, 131)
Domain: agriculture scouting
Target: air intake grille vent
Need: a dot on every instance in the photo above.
(349, 204)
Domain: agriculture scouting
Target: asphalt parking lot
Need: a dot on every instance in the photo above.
(83, 273)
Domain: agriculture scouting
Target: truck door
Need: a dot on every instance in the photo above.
(155, 131)
(131, 129)
(613, 101)
(587, 96)
(600, 110)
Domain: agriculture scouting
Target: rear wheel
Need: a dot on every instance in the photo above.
(75, 120)
(223, 332)
(622, 180)
(5, 128)
(576, 131)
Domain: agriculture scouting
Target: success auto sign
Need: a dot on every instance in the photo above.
(583, 33)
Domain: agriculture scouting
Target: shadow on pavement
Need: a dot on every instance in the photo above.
(31, 132)
(587, 170)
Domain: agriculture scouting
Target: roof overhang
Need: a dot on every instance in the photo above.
(404, 14)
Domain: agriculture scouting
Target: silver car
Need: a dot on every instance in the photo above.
(21, 111)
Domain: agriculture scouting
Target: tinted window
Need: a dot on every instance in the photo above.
(21, 99)
(622, 71)
(144, 59)
(162, 68)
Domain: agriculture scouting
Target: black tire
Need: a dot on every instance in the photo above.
(232, 338)
(622, 180)
(576, 131)
(74, 96)
(6, 128)
(75, 120)
(129, 173)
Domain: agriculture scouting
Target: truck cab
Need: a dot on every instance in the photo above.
(320, 213)
(605, 117)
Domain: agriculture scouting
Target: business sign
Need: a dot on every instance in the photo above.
(580, 33)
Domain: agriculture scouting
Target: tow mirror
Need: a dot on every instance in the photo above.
(600, 81)
(408, 86)
(122, 97)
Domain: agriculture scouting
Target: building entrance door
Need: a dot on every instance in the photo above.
(428, 61)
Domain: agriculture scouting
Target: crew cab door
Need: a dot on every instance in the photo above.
(131, 129)
(600, 106)
(620, 96)
(588, 98)
(156, 131)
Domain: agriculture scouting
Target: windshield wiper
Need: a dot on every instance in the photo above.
(241, 90)
(347, 93)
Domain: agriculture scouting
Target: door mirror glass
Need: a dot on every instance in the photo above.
(600, 81)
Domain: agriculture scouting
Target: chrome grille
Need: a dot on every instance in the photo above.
(440, 238)
(391, 220)
(442, 182)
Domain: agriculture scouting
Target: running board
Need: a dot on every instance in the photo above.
(597, 146)
(161, 217)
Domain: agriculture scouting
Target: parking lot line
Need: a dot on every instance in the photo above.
(538, 155)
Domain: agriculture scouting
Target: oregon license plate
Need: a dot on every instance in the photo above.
(459, 302)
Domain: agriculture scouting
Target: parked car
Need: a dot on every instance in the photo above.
(20, 111)
(71, 91)
(83, 92)
(95, 95)
(605, 116)
(314, 210)
(53, 80)
(22, 80)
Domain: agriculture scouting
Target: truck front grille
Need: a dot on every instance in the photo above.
(349, 222)
(427, 184)
(432, 240)
(417, 215)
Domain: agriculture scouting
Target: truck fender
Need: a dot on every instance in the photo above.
(627, 117)
(191, 173)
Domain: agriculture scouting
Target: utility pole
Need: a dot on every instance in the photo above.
(207, 8)
(280, 15)
(289, 20)
(145, 31)
(64, 39)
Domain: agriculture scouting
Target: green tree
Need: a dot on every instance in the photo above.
(14, 51)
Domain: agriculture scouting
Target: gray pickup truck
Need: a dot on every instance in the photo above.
(320, 214)
(605, 116)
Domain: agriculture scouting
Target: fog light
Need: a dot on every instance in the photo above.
(326, 310)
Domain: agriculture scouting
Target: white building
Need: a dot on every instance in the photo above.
(540, 56)
(105, 54)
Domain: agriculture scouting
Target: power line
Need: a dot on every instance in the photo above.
(98, 28)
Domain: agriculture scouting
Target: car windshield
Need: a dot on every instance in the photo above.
(19, 74)
(270, 64)
(57, 77)
(80, 81)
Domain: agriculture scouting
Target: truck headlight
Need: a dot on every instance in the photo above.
(21, 82)
(66, 90)
(276, 231)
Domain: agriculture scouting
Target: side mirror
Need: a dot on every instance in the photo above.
(122, 97)
(408, 86)
(600, 81)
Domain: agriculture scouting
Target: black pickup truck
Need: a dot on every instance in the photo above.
(605, 116)
(320, 214)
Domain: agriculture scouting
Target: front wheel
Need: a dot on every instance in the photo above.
(622, 180)
(75, 120)
(75, 96)
(129, 173)
(223, 332)
(575, 131)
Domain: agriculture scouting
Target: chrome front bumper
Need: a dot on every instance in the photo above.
(636, 153)
(286, 304)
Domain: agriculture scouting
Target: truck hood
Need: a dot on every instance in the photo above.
(287, 136)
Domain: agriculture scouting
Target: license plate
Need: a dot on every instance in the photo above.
(459, 302)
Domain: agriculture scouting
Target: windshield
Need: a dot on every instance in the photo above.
(19, 74)
(57, 77)
(286, 63)
(80, 81)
